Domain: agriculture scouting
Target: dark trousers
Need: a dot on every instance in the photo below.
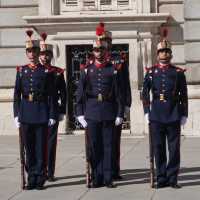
(116, 150)
(52, 144)
(101, 143)
(34, 139)
(166, 171)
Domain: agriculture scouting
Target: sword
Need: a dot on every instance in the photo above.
(22, 159)
(151, 157)
(88, 163)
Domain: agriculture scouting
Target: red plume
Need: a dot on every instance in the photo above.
(29, 33)
(100, 29)
(101, 24)
(164, 32)
(44, 36)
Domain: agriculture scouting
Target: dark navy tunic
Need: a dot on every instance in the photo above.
(169, 94)
(61, 96)
(60, 88)
(34, 95)
(104, 81)
(169, 103)
(99, 93)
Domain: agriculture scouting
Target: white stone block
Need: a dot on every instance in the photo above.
(7, 77)
(176, 10)
(6, 95)
(192, 30)
(7, 126)
(193, 72)
(191, 9)
(12, 56)
(18, 2)
(192, 50)
(192, 128)
(13, 16)
(45, 7)
(13, 37)
(178, 54)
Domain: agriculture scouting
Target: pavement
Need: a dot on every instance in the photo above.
(70, 173)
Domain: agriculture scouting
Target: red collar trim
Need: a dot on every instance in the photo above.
(32, 66)
(163, 66)
(100, 65)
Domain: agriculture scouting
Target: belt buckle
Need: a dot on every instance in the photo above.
(162, 97)
(30, 97)
(100, 97)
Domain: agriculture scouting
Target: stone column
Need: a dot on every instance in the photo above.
(136, 111)
(60, 53)
(56, 7)
(192, 59)
(49, 7)
(45, 7)
(143, 53)
(143, 6)
(192, 39)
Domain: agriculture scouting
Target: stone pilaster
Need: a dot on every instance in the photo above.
(49, 7)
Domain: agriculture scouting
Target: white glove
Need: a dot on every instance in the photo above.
(82, 121)
(183, 120)
(17, 123)
(146, 116)
(118, 121)
(61, 117)
(51, 122)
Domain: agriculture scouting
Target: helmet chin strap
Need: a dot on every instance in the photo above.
(101, 59)
(163, 62)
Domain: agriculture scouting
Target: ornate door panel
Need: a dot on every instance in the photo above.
(75, 55)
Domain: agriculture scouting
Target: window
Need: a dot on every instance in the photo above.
(123, 4)
(101, 5)
(71, 3)
(105, 2)
(89, 5)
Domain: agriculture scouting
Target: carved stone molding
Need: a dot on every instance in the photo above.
(86, 22)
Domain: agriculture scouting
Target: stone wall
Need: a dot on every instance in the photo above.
(184, 27)
(175, 27)
(12, 53)
(192, 60)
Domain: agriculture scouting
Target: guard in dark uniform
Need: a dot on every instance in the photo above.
(121, 64)
(97, 94)
(167, 111)
(34, 110)
(46, 55)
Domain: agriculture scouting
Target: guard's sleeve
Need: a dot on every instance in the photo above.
(119, 93)
(62, 94)
(183, 94)
(146, 92)
(80, 94)
(51, 87)
(127, 89)
(17, 93)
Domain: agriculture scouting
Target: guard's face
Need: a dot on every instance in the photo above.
(164, 56)
(99, 53)
(45, 58)
(32, 54)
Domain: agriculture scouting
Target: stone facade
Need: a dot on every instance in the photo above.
(135, 22)
(12, 37)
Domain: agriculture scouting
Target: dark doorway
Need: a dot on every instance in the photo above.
(75, 55)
